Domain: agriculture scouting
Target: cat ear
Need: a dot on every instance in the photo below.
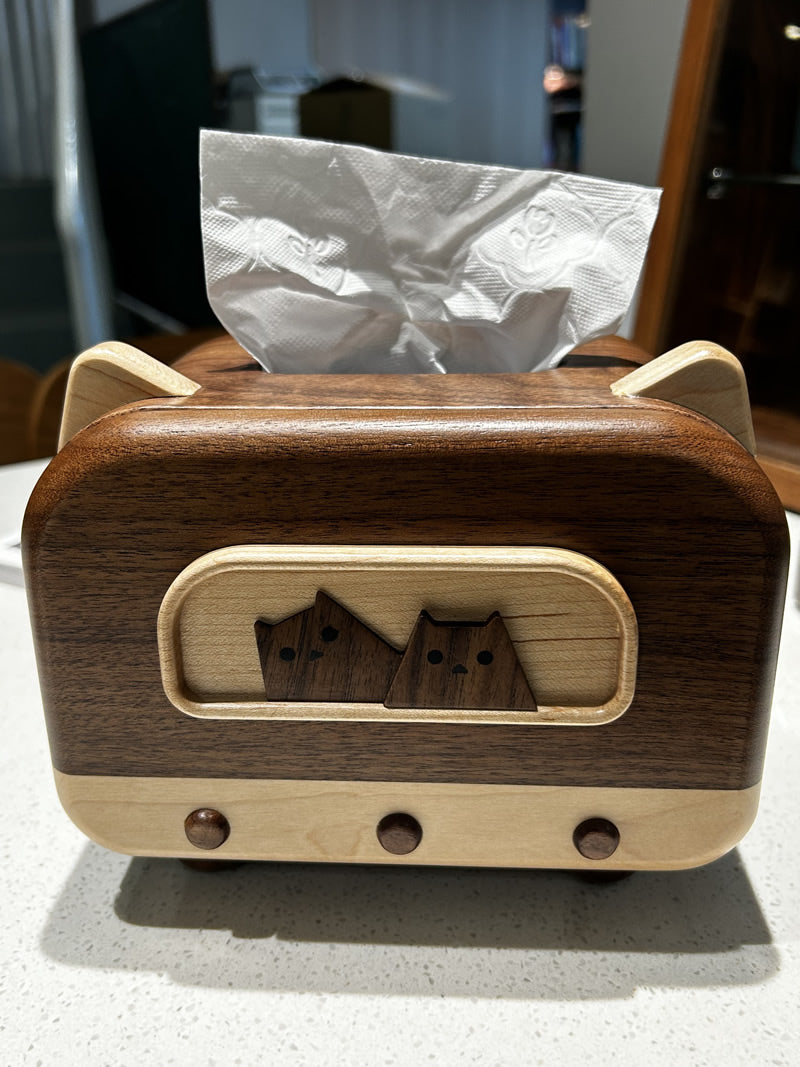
(327, 605)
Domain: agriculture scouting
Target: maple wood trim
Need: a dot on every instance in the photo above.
(574, 626)
(701, 376)
(112, 374)
(461, 825)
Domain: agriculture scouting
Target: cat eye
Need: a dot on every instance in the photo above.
(287, 654)
(485, 657)
(435, 656)
(329, 633)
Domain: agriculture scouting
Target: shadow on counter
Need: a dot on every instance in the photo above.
(405, 931)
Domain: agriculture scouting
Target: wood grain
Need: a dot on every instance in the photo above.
(44, 419)
(324, 653)
(596, 838)
(785, 477)
(206, 828)
(112, 374)
(703, 377)
(572, 626)
(461, 665)
(18, 387)
(399, 833)
(223, 365)
(671, 505)
(778, 441)
(680, 166)
(475, 825)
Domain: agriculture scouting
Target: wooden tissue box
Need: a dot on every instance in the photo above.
(503, 620)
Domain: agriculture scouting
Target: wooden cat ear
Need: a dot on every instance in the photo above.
(262, 631)
(701, 376)
(112, 374)
(322, 601)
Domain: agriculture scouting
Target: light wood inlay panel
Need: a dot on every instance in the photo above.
(573, 627)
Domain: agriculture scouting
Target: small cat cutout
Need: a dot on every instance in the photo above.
(324, 654)
(461, 665)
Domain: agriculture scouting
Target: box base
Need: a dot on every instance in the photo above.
(457, 825)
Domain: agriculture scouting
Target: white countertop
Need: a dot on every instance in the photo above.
(113, 960)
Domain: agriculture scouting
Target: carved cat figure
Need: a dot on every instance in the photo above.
(460, 665)
(324, 653)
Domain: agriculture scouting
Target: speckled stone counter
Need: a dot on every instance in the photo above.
(113, 960)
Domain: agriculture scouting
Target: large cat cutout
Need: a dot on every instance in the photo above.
(324, 653)
(460, 665)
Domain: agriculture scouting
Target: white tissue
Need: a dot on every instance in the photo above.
(324, 257)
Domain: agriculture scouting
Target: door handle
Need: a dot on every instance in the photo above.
(720, 179)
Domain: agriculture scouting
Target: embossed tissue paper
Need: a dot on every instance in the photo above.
(324, 257)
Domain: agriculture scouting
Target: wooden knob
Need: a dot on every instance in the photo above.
(207, 828)
(399, 833)
(596, 839)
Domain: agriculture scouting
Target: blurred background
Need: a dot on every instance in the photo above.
(101, 102)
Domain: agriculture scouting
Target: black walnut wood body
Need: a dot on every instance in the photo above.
(671, 504)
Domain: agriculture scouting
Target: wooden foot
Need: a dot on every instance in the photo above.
(602, 877)
(211, 866)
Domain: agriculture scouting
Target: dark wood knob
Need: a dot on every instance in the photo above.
(399, 833)
(596, 839)
(207, 828)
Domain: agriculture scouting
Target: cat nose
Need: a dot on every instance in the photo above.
(315, 654)
(460, 669)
